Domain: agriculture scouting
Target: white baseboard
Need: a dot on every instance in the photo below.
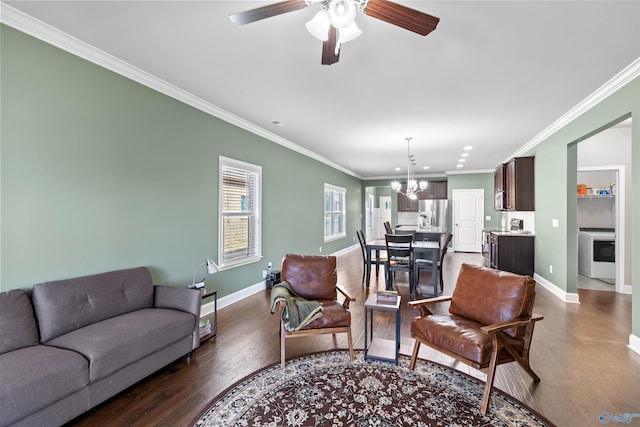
(634, 343)
(234, 297)
(564, 296)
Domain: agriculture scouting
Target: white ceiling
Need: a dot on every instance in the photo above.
(493, 75)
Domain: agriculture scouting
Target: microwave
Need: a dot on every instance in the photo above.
(499, 204)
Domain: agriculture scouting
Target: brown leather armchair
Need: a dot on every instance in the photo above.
(490, 322)
(315, 278)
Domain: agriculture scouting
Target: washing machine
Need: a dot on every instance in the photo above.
(597, 253)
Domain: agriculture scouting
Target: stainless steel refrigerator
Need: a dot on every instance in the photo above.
(432, 214)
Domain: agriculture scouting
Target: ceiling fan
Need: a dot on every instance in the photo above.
(335, 23)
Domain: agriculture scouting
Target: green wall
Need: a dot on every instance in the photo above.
(101, 173)
(555, 183)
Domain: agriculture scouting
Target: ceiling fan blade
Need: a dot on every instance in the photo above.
(268, 11)
(331, 55)
(402, 16)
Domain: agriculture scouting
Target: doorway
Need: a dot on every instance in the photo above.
(378, 206)
(603, 165)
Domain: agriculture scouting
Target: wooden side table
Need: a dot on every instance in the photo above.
(378, 348)
(214, 330)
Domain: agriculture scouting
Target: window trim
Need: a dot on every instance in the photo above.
(343, 233)
(224, 164)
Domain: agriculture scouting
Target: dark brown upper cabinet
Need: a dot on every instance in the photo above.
(435, 190)
(519, 184)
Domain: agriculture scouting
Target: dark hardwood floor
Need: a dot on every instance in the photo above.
(579, 351)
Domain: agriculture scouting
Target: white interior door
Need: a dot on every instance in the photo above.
(468, 214)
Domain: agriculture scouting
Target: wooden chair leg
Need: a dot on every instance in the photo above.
(524, 362)
(414, 355)
(350, 345)
(491, 374)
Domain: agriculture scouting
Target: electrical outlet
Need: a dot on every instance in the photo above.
(320, 249)
(550, 268)
(488, 217)
(554, 223)
(264, 274)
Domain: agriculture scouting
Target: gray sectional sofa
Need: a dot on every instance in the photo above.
(74, 343)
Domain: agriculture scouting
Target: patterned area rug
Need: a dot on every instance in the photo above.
(326, 389)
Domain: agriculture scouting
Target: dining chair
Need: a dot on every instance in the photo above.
(399, 258)
(425, 264)
(377, 260)
(387, 227)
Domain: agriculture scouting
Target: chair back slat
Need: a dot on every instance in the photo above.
(399, 247)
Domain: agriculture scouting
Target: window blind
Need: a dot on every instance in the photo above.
(240, 216)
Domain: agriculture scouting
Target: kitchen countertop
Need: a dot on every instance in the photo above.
(421, 230)
(507, 232)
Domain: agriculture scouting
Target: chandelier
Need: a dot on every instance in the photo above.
(413, 187)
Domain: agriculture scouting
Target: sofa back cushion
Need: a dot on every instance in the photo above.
(66, 305)
(489, 296)
(18, 327)
(312, 277)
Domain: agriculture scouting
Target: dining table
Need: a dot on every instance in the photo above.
(429, 250)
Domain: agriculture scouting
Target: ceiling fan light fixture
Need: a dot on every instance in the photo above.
(341, 13)
(319, 25)
(349, 33)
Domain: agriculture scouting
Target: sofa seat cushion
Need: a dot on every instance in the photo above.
(114, 343)
(33, 378)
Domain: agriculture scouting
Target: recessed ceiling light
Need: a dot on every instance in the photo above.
(398, 169)
(468, 147)
(464, 155)
(460, 165)
(277, 123)
(462, 160)
(426, 167)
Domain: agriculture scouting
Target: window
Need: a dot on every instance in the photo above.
(335, 216)
(240, 228)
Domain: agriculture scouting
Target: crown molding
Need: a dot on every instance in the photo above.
(40, 30)
(469, 172)
(616, 82)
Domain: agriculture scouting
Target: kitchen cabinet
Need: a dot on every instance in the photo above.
(435, 190)
(498, 185)
(405, 204)
(498, 179)
(519, 194)
(512, 252)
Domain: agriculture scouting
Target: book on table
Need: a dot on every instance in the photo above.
(387, 297)
(205, 327)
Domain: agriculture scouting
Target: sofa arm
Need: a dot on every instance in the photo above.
(188, 300)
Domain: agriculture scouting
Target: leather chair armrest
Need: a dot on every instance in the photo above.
(347, 298)
(497, 327)
(423, 303)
